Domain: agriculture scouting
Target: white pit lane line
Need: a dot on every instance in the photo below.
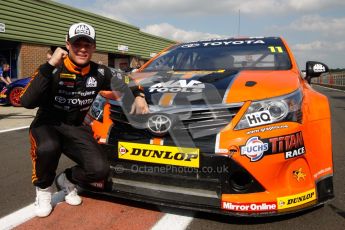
(172, 222)
(22, 215)
(14, 129)
(167, 222)
(18, 217)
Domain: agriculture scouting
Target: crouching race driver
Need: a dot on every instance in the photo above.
(63, 89)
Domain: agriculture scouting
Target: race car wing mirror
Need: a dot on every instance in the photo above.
(315, 69)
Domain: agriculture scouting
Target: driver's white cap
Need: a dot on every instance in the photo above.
(81, 30)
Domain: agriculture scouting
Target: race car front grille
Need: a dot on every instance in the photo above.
(199, 122)
(209, 118)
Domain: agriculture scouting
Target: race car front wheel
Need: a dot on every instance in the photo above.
(14, 96)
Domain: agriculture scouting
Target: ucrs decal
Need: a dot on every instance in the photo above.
(172, 86)
(259, 118)
(254, 149)
(249, 207)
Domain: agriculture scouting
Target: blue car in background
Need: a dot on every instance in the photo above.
(10, 94)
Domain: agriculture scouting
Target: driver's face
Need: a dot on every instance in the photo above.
(80, 52)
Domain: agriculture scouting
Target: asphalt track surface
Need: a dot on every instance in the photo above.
(110, 213)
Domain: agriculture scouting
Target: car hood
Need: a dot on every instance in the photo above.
(214, 87)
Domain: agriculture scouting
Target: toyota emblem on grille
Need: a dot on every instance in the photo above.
(159, 124)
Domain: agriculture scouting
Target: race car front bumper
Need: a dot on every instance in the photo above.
(201, 190)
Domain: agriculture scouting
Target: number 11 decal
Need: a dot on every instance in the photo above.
(275, 49)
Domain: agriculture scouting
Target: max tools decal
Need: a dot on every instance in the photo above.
(183, 86)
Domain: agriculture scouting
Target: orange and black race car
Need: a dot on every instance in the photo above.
(233, 128)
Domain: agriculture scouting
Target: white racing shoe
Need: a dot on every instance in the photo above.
(71, 193)
(43, 205)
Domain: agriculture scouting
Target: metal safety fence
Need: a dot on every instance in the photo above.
(334, 80)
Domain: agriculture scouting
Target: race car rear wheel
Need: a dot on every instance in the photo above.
(14, 96)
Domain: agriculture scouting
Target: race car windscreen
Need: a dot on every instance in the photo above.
(238, 54)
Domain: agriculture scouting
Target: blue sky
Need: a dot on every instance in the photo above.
(314, 29)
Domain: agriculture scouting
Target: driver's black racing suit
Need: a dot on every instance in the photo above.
(64, 95)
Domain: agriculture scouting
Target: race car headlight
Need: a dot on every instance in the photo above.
(96, 110)
(273, 110)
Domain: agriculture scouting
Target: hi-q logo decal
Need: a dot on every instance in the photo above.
(259, 118)
(91, 82)
(173, 86)
(82, 29)
(254, 149)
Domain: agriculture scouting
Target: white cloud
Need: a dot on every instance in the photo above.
(313, 5)
(169, 31)
(316, 23)
(320, 46)
(331, 53)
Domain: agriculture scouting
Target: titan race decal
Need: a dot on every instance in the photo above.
(291, 145)
(170, 155)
